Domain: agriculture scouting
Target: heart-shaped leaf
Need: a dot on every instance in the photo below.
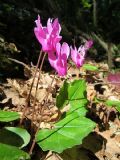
(8, 152)
(6, 116)
(67, 133)
(71, 130)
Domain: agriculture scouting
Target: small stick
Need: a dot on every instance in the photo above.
(19, 62)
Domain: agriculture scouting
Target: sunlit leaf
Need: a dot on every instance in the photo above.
(71, 91)
(90, 67)
(113, 103)
(6, 116)
(78, 106)
(77, 90)
(67, 133)
(71, 130)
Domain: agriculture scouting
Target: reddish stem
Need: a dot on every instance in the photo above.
(42, 110)
(37, 87)
(29, 95)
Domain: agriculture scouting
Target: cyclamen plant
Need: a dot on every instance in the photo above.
(68, 130)
(71, 93)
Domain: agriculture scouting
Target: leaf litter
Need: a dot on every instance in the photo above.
(100, 88)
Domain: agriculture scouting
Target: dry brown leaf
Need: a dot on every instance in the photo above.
(112, 146)
(52, 156)
(91, 92)
(11, 93)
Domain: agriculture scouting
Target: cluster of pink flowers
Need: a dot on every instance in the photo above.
(49, 38)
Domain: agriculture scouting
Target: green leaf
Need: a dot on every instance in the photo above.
(67, 133)
(6, 116)
(110, 103)
(71, 130)
(118, 108)
(62, 98)
(78, 106)
(113, 103)
(10, 138)
(90, 67)
(22, 133)
(8, 152)
(71, 91)
(86, 4)
(77, 90)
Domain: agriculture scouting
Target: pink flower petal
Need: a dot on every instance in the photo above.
(38, 22)
(59, 60)
(49, 26)
(48, 36)
(89, 44)
(65, 49)
(78, 56)
(74, 54)
(56, 27)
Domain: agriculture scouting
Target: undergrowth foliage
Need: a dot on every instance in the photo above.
(71, 126)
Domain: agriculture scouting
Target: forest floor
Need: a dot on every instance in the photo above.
(104, 142)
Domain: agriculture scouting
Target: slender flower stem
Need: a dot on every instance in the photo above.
(78, 73)
(37, 87)
(69, 66)
(40, 55)
(29, 95)
(32, 146)
(41, 112)
(33, 143)
(47, 95)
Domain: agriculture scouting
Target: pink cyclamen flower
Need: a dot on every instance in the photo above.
(78, 56)
(48, 36)
(58, 60)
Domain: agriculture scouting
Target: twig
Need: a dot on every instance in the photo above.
(19, 62)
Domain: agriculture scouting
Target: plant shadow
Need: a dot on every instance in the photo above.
(92, 144)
